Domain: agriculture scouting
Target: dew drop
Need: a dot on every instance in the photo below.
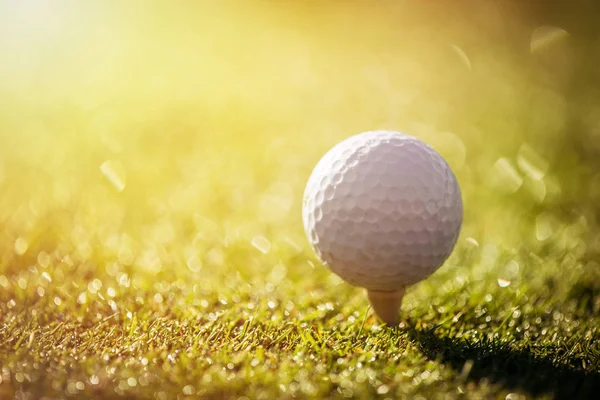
(189, 390)
(44, 259)
(543, 227)
(503, 282)
(262, 244)
(508, 177)
(472, 242)
(21, 245)
(531, 163)
(46, 276)
(115, 173)
(383, 389)
(194, 263)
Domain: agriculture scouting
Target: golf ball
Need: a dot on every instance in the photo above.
(383, 210)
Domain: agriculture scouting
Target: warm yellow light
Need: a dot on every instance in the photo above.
(27, 20)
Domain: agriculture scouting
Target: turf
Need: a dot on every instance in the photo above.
(151, 244)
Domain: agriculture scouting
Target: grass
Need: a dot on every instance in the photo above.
(151, 243)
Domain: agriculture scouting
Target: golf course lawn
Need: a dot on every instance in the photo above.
(152, 167)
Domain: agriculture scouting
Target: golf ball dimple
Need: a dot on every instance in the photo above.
(383, 210)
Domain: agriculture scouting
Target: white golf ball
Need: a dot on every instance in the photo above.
(383, 210)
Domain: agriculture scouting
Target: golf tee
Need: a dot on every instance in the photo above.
(386, 305)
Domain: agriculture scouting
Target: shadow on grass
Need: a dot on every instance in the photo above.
(517, 370)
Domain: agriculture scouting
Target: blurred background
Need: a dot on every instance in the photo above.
(166, 145)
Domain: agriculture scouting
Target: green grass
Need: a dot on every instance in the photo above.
(104, 295)
(151, 243)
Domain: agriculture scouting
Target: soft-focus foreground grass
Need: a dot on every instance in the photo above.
(152, 164)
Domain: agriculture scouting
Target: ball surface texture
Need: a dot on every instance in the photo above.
(383, 210)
